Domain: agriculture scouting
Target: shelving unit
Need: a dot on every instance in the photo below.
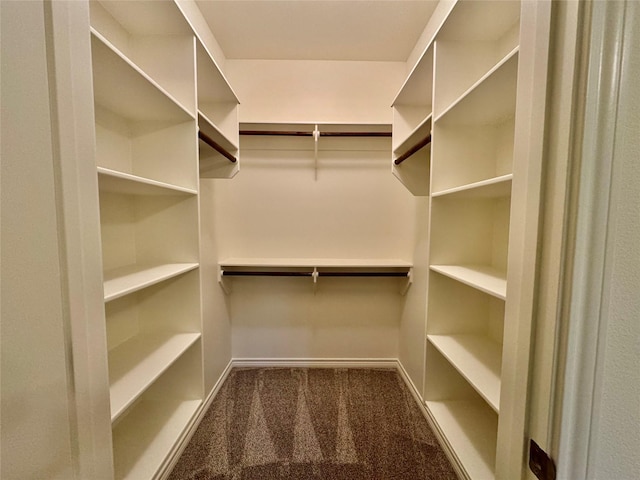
(464, 91)
(412, 124)
(217, 118)
(155, 86)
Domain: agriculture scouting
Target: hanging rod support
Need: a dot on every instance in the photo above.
(216, 146)
(418, 146)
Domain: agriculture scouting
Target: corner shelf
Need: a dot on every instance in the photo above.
(137, 363)
(125, 280)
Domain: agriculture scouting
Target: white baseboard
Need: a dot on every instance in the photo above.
(173, 458)
(316, 362)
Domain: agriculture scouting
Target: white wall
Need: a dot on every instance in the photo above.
(216, 326)
(274, 208)
(412, 348)
(315, 91)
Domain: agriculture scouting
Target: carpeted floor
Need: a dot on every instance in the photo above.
(313, 424)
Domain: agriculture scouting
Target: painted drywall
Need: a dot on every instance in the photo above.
(36, 433)
(216, 326)
(413, 320)
(274, 208)
(315, 91)
(616, 432)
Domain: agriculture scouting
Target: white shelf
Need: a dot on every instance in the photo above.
(471, 431)
(416, 90)
(491, 188)
(422, 129)
(145, 438)
(315, 262)
(137, 363)
(485, 279)
(125, 183)
(210, 129)
(123, 88)
(490, 100)
(477, 358)
(212, 84)
(125, 280)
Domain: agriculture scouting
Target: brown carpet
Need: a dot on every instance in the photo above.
(313, 424)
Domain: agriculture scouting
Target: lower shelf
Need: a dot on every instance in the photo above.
(145, 438)
(471, 432)
(136, 364)
(477, 358)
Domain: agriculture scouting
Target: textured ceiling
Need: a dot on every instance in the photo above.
(374, 30)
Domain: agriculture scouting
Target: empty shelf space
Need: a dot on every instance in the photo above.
(146, 437)
(212, 85)
(123, 88)
(483, 278)
(211, 130)
(125, 183)
(137, 363)
(122, 281)
(493, 187)
(416, 135)
(490, 100)
(471, 431)
(477, 358)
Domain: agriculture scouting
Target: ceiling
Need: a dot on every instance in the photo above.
(371, 30)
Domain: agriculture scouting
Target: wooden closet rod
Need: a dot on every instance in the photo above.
(355, 134)
(310, 274)
(418, 146)
(284, 133)
(266, 274)
(310, 134)
(363, 274)
(216, 146)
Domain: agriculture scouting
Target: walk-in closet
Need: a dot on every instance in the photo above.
(388, 186)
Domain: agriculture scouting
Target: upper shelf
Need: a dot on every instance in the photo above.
(490, 100)
(417, 88)
(123, 88)
(212, 85)
(145, 17)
